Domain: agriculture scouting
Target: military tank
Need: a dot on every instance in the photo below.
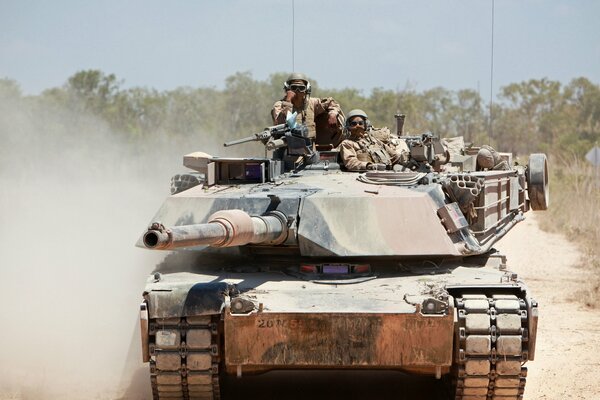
(289, 262)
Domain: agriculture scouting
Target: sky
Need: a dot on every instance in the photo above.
(392, 44)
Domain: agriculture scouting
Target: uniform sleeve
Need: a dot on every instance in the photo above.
(348, 153)
(327, 104)
(280, 110)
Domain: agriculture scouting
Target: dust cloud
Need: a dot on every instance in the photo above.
(74, 199)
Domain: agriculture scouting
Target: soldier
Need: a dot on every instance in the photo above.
(323, 117)
(366, 150)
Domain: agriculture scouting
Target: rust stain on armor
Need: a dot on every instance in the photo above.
(318, 341)
(330, 340)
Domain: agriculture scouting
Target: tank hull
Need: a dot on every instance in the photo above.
(376, 321)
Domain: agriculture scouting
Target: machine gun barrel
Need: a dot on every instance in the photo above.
(263, 136)
(224, 229)
(240, 141)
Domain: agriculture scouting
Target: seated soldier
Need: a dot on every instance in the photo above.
(323, 117)
(368, 148)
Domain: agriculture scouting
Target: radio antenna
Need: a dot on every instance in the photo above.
(293, 32)
(491, 129)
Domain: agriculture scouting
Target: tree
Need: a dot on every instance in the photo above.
(94, 88)
(531, 106)
(467, 116)
(246, 105)
(9, 90)
(583, 98)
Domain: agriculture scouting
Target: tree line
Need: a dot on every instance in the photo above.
(530, 116)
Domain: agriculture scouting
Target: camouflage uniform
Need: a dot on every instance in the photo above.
(314, 116)
(376, 146)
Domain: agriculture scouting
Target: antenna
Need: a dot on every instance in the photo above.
(491, 129)
(293, 32)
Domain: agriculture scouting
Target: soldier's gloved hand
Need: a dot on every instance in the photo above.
(376, 167)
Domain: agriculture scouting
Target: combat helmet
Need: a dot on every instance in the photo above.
(357, 112)
(297, 76)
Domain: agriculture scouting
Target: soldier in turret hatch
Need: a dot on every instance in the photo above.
(323, 117)
(367, 148)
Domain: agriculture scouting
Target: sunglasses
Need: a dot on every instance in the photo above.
(360, 123)
(298, 88)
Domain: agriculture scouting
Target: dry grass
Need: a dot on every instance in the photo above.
(575, 212)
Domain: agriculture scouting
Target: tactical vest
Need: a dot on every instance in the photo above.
(372, 150)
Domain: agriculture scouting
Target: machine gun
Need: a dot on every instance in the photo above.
(275, 131)
(426, 151)
(289, 142)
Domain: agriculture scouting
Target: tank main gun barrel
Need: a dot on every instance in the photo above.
(224, 229)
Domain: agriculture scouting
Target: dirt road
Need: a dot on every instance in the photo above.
(567, 359)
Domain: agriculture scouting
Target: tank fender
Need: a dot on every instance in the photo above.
(206, 298)
(202, 298)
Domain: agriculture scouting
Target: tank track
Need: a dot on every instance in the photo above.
(185, 357)
(492, 346)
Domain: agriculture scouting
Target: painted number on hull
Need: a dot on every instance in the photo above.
(279, 323)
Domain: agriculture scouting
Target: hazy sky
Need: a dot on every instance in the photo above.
(350, 43)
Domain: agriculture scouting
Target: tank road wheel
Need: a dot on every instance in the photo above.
(491, 343)
(537, 182)
(185, 356)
